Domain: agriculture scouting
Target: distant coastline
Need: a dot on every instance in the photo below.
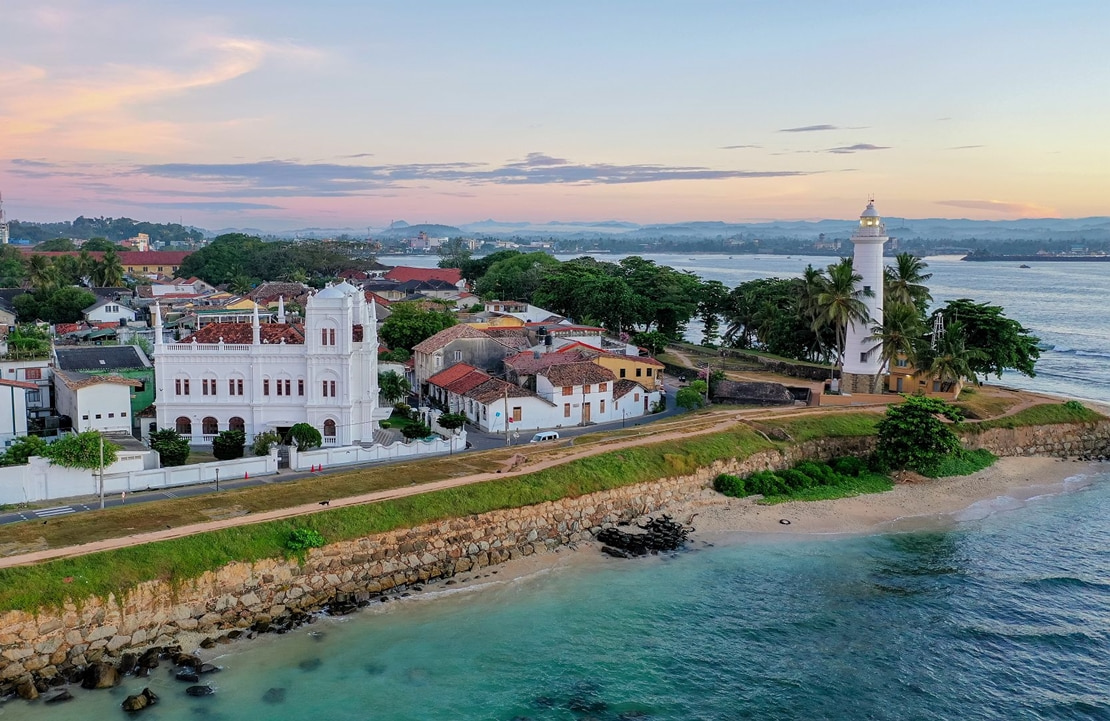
(1038, 258)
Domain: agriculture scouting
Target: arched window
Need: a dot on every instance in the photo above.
(184, 426)
(329, 428)
(210, 426)
(235, 423)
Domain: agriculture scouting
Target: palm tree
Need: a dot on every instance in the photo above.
(811, 283)
(951, 359)
(109, 272)
(898, 334)
(905, 282)
(41, 274)
(86, 266)
(840, 303)
(240, 285)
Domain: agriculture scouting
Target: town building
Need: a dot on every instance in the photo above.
(95, 402)
(128, 362)
(13, 409)
(256, 377)
(109, 312)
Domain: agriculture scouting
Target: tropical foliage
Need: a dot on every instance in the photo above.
(305, 437)
(912, 434)
(409, 323)
(171, 446)
(228, 445)
(82, 450)
(393, 386)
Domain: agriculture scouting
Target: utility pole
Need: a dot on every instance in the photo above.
(102, 471)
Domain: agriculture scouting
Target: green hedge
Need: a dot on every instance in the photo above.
(808, 480)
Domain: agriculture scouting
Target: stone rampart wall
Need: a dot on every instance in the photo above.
(243, 595)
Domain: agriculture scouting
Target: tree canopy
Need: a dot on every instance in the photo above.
(247, 259)
(999, 342)
(515, 277)
(409, 323)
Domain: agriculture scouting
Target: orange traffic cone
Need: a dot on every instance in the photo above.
(246, 475)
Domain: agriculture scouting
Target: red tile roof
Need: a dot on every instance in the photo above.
(624, 386)
(74, 380)
(576, 374)
(372, 297)
(496, 389)
(18, 384)
(446, 377)
(527, 363)
(403, 273)
(471, 380)
(445, 336)
(241, 333)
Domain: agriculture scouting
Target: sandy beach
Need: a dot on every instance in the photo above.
(915, 502)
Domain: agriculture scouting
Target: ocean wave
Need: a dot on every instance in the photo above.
(1054, 582)
(1065, 350)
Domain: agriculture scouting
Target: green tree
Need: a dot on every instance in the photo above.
(241, 285)
(109, 271)
(171, 446)
(21, 449)
(13, 267)
(474, 268)
(228, 445)
(393, 386)
(99, 244)
(654, 341)
(41, 274)
(516, 277)
(912, 435)
(81, 450)
(412, 431)
(904, 283)
(691, 397)
(711, 303)
(28, 341)
(454, 253)
(666, 298)
(840, 303)
(409, 323)
(305, 437)
(264, 441)
(1000, 343)
(451, 421)
(64, 305)
(899, 335)
(56, 245)
(951, 359)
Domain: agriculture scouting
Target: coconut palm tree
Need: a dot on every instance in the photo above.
(840, 303)
(904, 282)
(109, 272)
(898, 334)
(41, 274)
(951, 359)
(240, 285)
(811, 284)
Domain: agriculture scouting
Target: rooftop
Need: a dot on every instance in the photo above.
(74, 380)
(576, 374)
(243, 333)
(101, 357)
(402, 273)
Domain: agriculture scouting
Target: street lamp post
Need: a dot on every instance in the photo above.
(217, 479)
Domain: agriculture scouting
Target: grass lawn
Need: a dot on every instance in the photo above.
(985, 402)
(1039, 415)
(826, 425)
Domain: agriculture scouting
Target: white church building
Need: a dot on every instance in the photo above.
(258, 376)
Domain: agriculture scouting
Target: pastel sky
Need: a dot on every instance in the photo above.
(345, 113)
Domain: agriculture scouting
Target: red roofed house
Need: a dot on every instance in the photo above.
(149, 262)
(402, 274)
(489, 401)
(588, 393)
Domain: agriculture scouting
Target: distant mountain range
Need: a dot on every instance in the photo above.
(1088, 229)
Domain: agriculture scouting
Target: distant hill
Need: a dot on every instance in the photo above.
(434, 230)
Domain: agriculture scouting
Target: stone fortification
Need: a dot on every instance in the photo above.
(55, 644)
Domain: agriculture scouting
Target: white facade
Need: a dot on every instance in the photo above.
(109, 311)
(324, 373)
(94, 403)
(38, 372)
(13, 411)
(860, 356)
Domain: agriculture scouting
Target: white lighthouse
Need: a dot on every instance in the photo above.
(861, 358)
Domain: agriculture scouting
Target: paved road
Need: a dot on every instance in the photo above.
(479, 441)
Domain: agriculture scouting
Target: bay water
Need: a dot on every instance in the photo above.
(1000, 612)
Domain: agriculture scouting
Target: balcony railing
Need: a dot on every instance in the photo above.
(208, 347)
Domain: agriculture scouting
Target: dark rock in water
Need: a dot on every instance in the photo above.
(208, 643)
(27, 691)
(139, 701)
(208, 668)
(149, 659)
(309, 664)
(127, 664)
(188, 676)
(60, 697)
(100, 675)
(234, 634)
(200, 690)
(274, 695)
(544, 702)
(586, 705)
(374, 669)
(186, 660)
(658, 534)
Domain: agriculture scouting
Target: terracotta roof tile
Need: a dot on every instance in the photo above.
(495, 388)
(402, 273)
(74, 380)
(448, 376)
(445, 336)
(576, 374)
(624, 386)
(18, 384)
(528, 364)
(241, 333)
(469, 381)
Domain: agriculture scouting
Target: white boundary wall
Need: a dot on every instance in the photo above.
(324, 458)
(39, 480)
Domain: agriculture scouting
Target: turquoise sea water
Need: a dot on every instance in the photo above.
(1004, 616)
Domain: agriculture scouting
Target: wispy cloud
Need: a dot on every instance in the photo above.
(739, 147)
(287, 178)
(857, 148)
(226, 206)
(999, 206)
(810, 128)
(966, 147)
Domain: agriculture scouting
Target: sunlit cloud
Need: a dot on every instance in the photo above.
(1000, 206)
(739, 147)
(810, 128)
(857, 148)
(966, 147)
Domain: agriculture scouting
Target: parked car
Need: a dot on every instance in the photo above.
(545, 436)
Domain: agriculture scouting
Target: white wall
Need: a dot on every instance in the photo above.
(110, 401)
(13, 412)
(40, 480)
(102, 315)
(347, 455)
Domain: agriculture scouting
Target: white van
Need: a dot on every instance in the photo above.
(545, 436)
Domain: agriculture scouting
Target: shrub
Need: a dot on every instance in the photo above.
(1074, 406)
(821, 473)
(305, 436)
(795, 480)
(416, 430)
(302, 539)
(848, 466)
(912, 436)
(264, 441)
(730, 485)
(172, 448)
(229, 444)
(451, 421)
(765, 483)
(21, 449)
